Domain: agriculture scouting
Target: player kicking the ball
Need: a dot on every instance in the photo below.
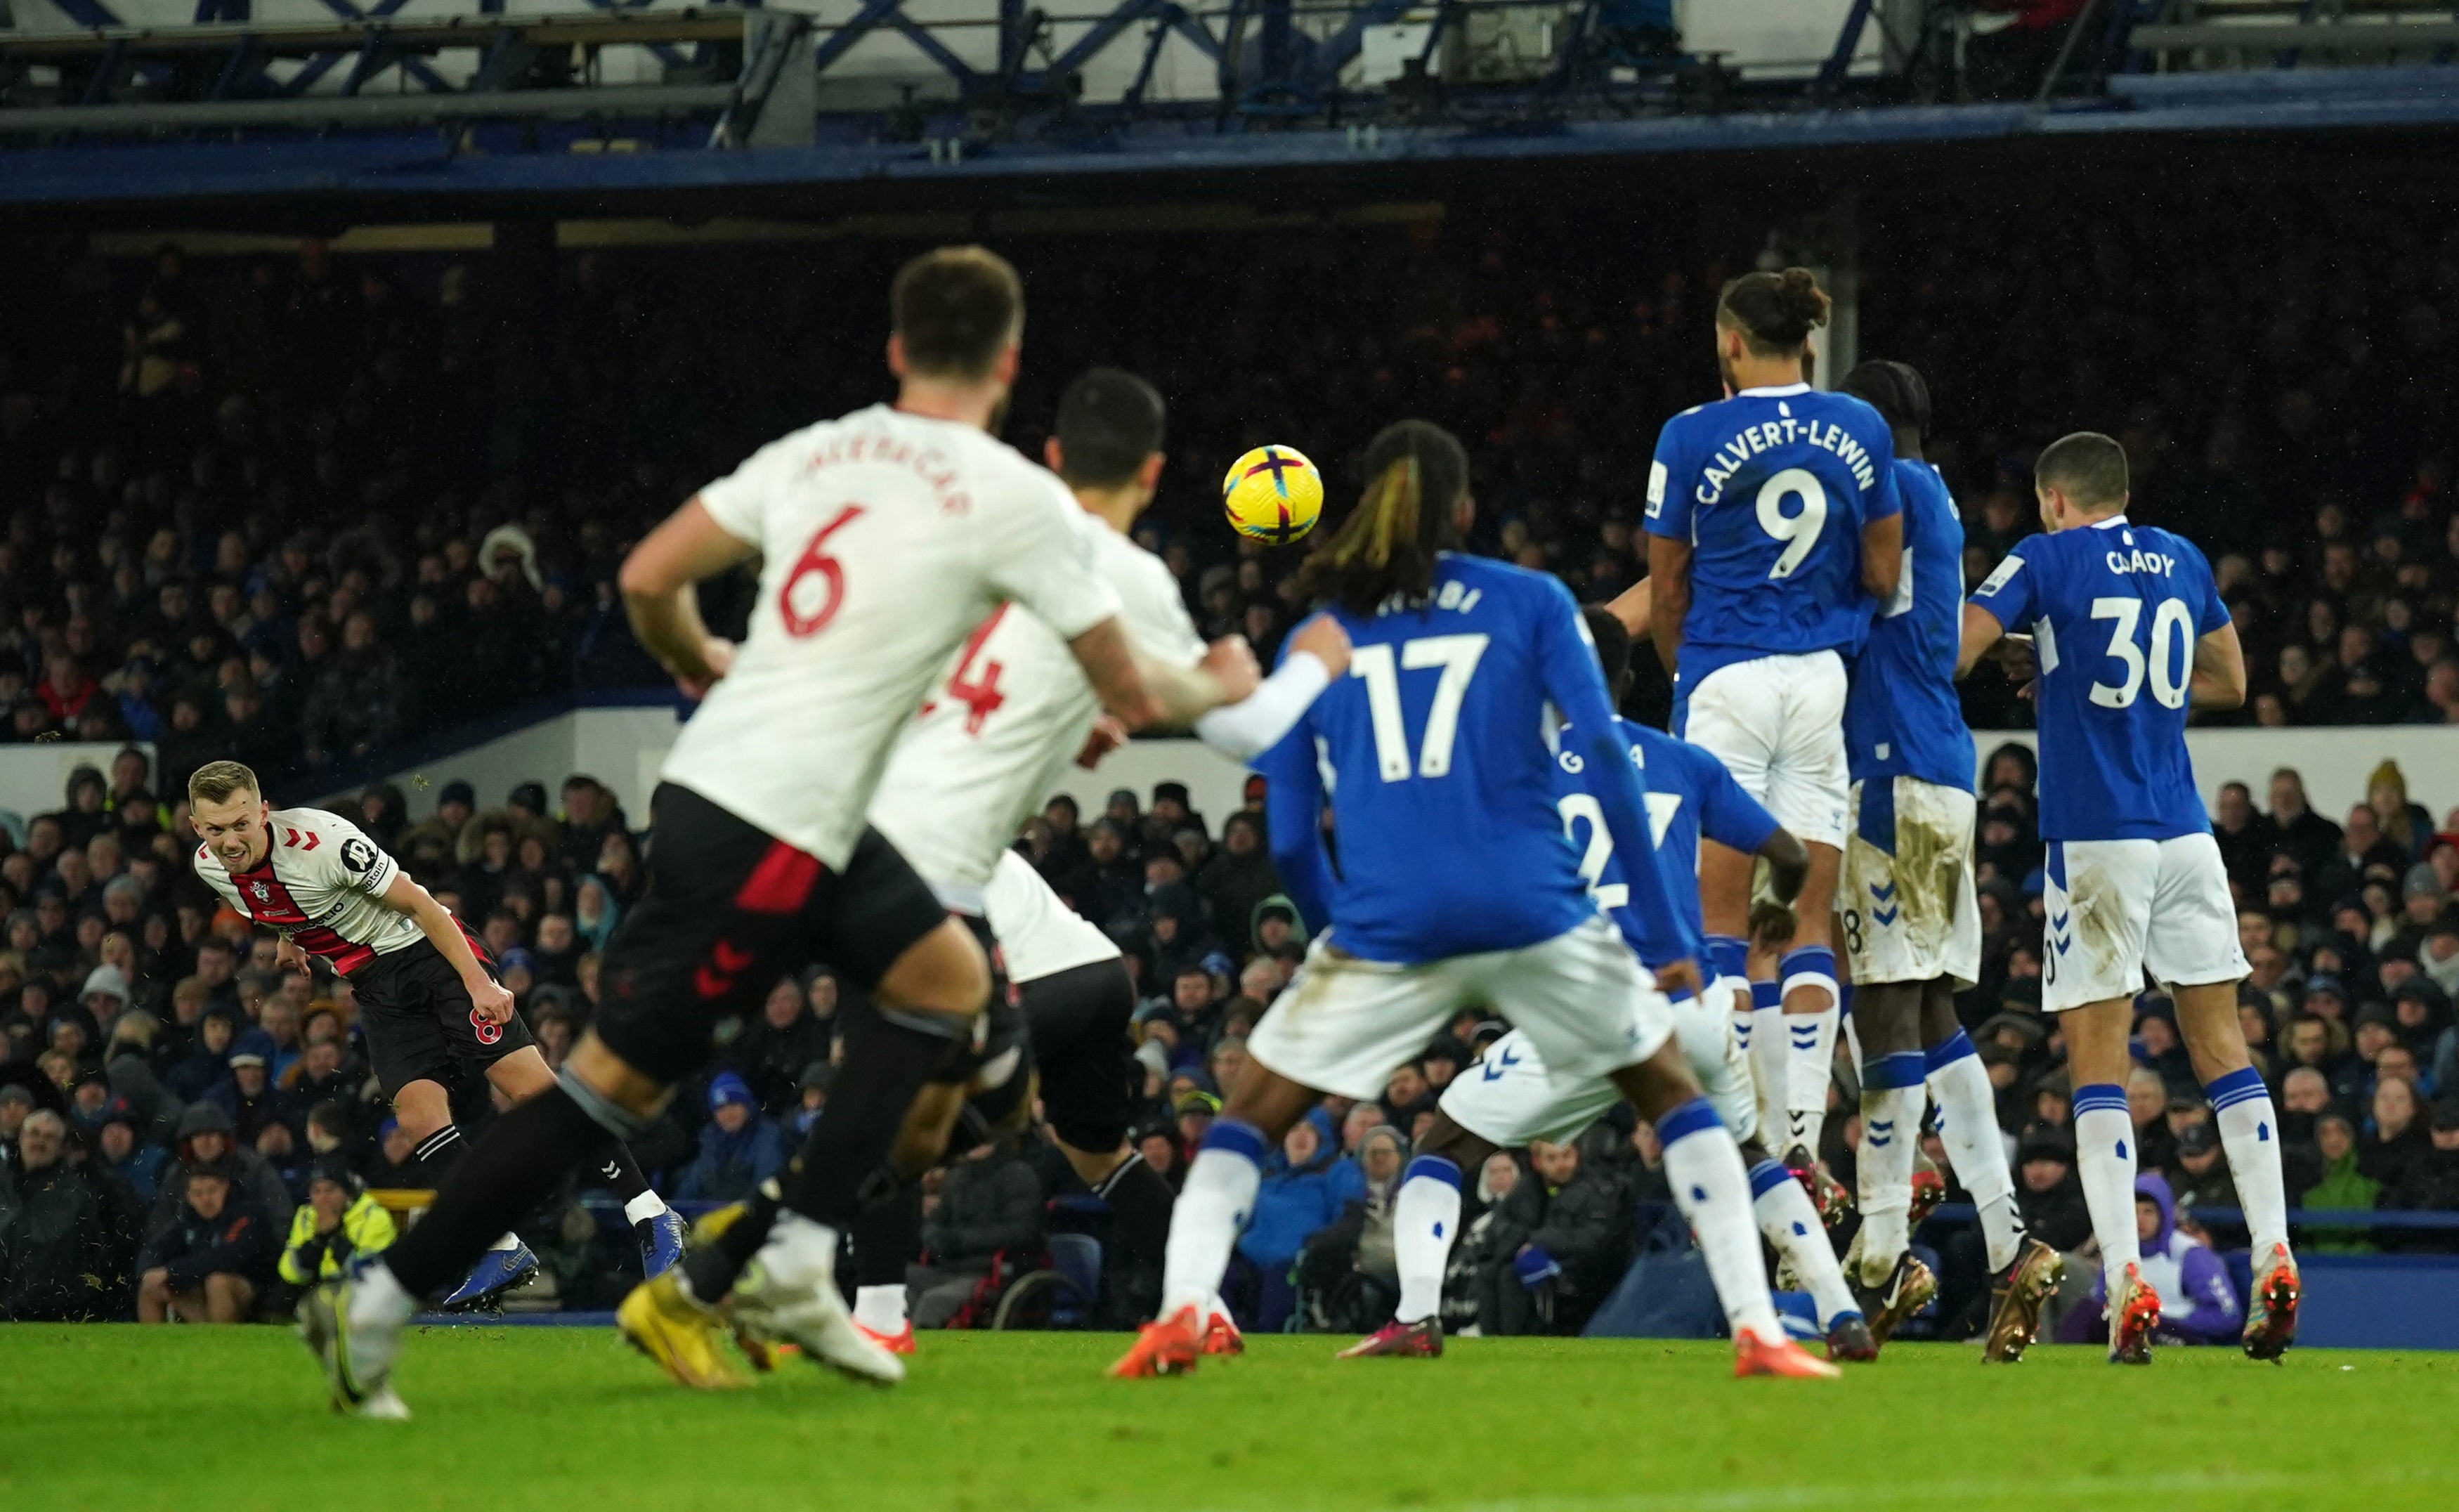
(426, 1002)
(2129, 633)
(1912, 923)
(1772, 523)
(886, 536)
(1454, 885)
(1509, 1099)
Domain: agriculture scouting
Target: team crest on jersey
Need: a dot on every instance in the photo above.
(263, 893)
(357, 855)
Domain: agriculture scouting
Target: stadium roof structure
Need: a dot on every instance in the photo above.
(369, 116)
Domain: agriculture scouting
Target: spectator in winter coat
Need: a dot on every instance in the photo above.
(1560, 1231)
(205, 1142)
(338, 1223)
(1238, 878)
(772, 1054)
(1359, 1242)
(2047, 1194)
(249, 1096)
(1302, 1193)
(56, 1233)
(2343, 1186)
(989, 1202)
(2198, 1305)
(2200, 1181)
(133, 1159)
(207, 1063)
(739, 1149)
(207, 1265)
(2431, 1183)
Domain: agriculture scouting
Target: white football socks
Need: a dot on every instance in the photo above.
(378, 1300)
(1770, 1059)
(880, 1309)
(1891, 1119)
(2105, 1159)
(1967, 1126)
(2250, 1133)
(1703, 1166)
(1791, 1226)
(1426, 1221)
(1810, 998)
(644, 1207)
(801, 1254)
(1212, 1207)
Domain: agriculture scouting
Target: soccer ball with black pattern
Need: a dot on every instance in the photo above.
(1272, 494)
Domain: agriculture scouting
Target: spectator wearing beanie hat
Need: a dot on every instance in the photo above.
(739, 1148)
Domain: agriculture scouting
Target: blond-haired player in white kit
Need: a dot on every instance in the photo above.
(885, 537)
(997, 739)
(429, 1003)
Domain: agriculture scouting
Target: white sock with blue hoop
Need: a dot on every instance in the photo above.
(2105, 1160)
(1967, 1126)
(1212, 1207)
(2249, 1132)
(1791, 1226)
(1703, 1166)
(1768, 1061)
(1808, 976)
(1891, 1119)
(1426, 1221)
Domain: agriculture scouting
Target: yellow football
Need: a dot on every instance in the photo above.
(1272, 494)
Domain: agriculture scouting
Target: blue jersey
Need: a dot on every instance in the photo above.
(1437, 748)
(1772, 487)
(2114, 610)
(1690, 793)
(1902, 718)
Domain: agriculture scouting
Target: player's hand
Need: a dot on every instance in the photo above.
(1323, 639)
(1107, 735)
(2013, 654)
(288, 956)
(1772, 924)
(493, 1002)
(1679, 977)
(1231, 661)
(717, 659)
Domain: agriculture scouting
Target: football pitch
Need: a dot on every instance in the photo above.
(124, 1417)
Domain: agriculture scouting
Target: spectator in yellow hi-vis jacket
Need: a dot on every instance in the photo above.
(338, 1223)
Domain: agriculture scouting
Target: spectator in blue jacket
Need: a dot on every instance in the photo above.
(739, 1149)
(134, 1158)
(1302, 1193)
(207, 1265)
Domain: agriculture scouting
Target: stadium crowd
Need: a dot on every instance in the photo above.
(288, 509)
(299, 509)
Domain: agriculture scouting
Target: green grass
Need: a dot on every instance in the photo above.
(124, 1418)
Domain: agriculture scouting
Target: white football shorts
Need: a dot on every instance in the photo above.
(1508, 1099)
(1777, 724)
(1582, 999)
(1911, 910)
(2118, 909)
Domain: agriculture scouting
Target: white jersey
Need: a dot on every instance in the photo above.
(319, 883)
(1038, 934)
(1012, 713)
(888, 538)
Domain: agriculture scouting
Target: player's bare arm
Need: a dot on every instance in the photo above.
(1981, 632)
(656, 581)
(435, 923)
(1635, 606)
(1883, 557)
(288, 956)
(1669, 565)
(2219, 671)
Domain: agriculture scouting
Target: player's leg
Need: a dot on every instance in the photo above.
(1425, 1223)
(522, 1074)
(1341, 1027)
(228, 1298)
(1808, 791)
(2192, 949)
(1735, 714)
(1591, 1010)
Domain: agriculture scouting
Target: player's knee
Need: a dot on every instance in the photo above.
(945, 972)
